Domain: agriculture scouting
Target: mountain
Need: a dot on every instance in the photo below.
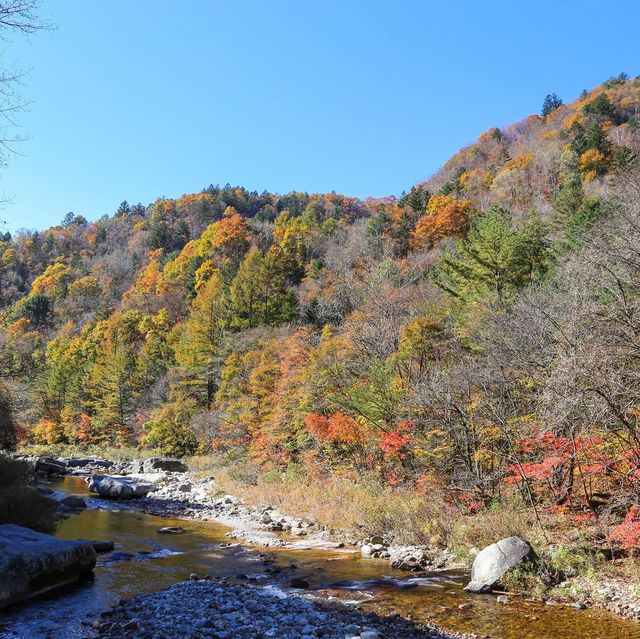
(475, 338)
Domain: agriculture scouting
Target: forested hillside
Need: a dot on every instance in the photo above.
(475, 338)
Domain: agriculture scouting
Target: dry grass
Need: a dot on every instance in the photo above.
(361, 506)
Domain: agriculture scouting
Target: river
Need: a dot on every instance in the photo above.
(156, 561)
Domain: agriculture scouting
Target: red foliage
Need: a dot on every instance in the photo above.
(337, 428)
(627, 534)
(393, 444)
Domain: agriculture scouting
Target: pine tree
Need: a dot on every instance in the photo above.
(494, 259)
(550, 104)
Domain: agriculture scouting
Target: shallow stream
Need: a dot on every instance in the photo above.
(149, 561)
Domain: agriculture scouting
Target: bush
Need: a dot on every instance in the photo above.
(20, 503)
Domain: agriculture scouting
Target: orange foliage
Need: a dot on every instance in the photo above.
(337, 428)
(84, 429)
(448, 217)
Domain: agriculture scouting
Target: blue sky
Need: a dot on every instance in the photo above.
(135, 99)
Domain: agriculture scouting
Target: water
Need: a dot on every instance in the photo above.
(158, 561)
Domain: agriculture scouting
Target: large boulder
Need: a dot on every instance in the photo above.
(495, 560)
(32, 562)
(118, 487)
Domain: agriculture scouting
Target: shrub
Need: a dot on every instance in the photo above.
(627, 534)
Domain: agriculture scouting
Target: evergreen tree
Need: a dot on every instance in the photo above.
(550, 104)
(38, 309)
(600, 107)
(113, 385)
(494, 259)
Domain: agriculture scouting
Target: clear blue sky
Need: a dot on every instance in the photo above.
(135, 99)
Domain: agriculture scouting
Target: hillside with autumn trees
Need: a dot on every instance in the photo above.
(472, 343)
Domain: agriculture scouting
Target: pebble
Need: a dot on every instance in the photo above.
(246, 612)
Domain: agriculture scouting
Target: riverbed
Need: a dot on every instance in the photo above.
(146, 561)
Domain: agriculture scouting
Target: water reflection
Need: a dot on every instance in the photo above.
(150, 561)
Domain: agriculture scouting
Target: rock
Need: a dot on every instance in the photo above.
(73, 502)
(185, 488)
(32, 562)
(297, 582)
(369, 634)
(366, 550)
(171, 530)
(118, 487)
(83, 462)
(122, 556)
(154, 464)
(135, 467)
(102, 546)
(266, 518)
(50, 466)
(75, 462)
(580, 605)
(503, 599)
(495, 560)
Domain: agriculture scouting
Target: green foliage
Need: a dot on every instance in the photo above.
(198, 350)
(494, 260)
(417, 199)
(600, 107)
(550, 104)
(7, 426)
(168, 429)
(38, 309)
(259, 292)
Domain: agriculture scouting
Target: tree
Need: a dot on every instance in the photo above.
(447, 217)
(168, 429)
(198, 350)
(114, 377)
(38, 309)
(7, 426)
(417, 199)
(123, 210)
(550, 104)
(600, 107)
(494, 259)
(259, 292)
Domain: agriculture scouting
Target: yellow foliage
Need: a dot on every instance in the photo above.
(592, 163)
(9, 257)
(86, 286)
(204, 273)
(52, 281)
(439, 202)
(520, 162)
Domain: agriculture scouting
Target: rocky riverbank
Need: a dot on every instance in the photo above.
(176, 493)
(202, 609)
